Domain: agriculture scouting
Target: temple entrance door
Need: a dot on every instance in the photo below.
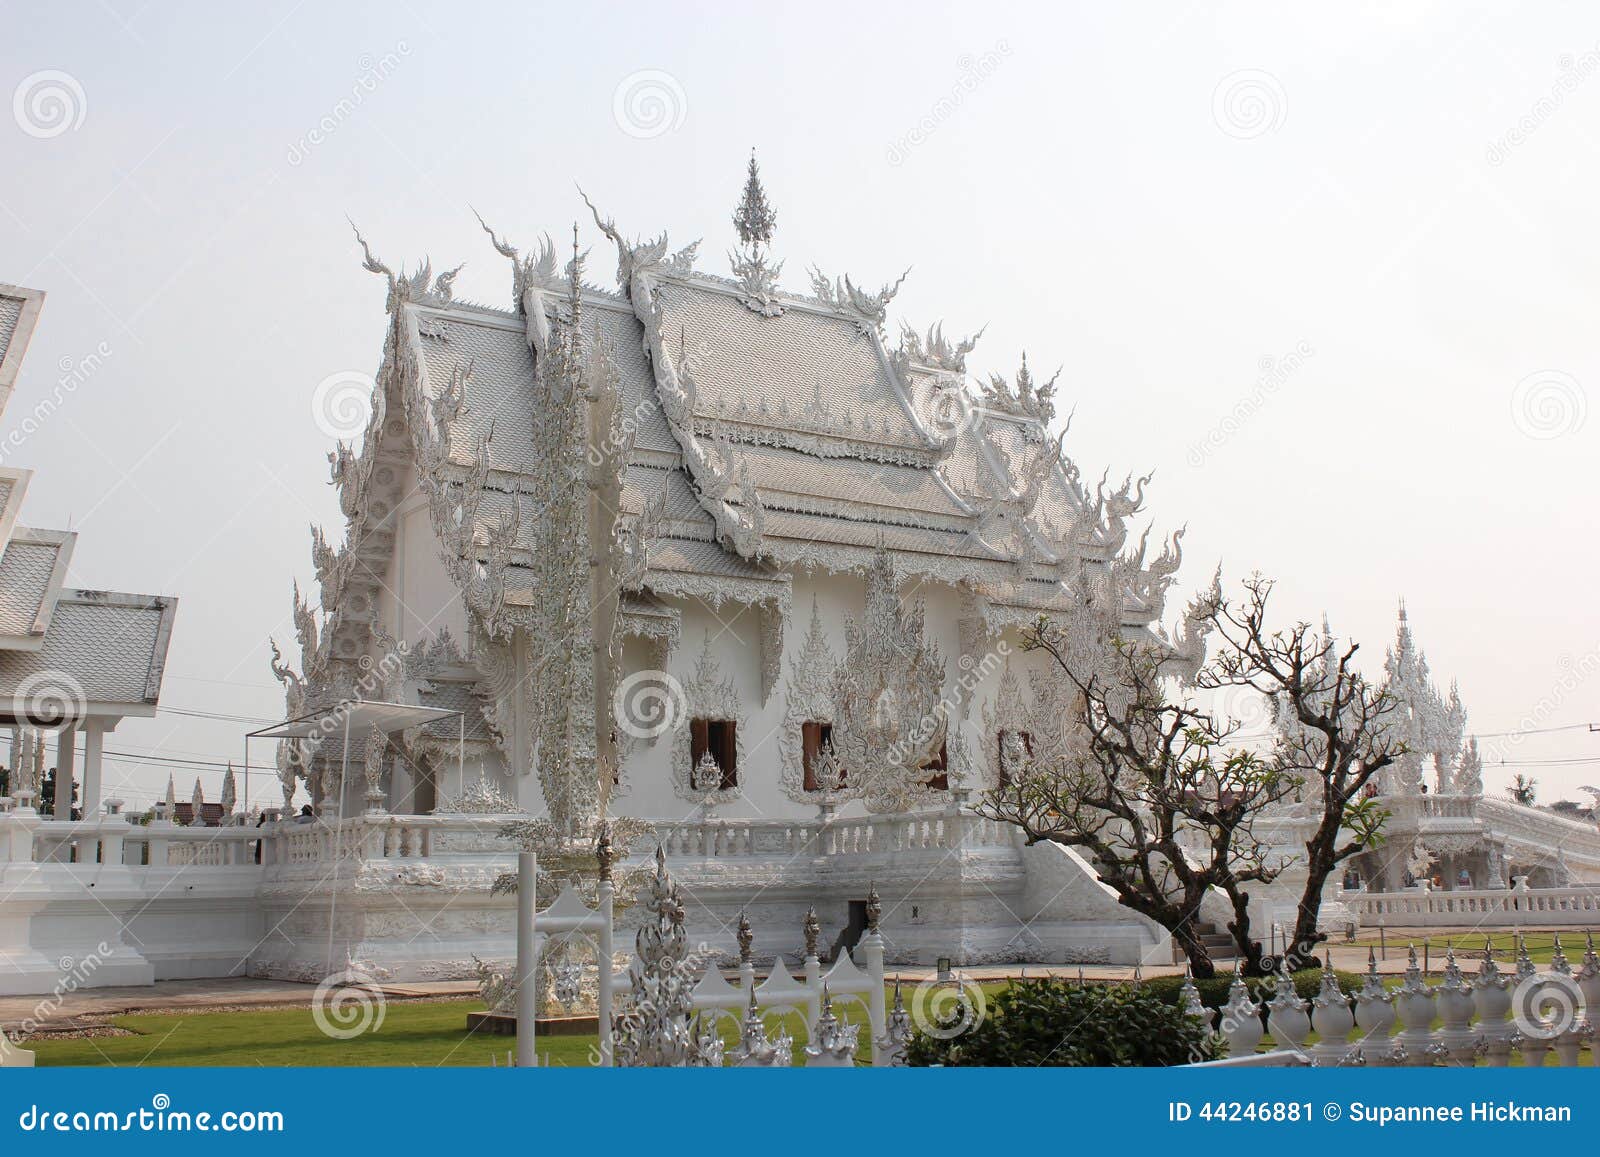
(850, 935)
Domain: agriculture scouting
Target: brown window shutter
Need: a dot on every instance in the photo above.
(698, 741)
(811, 748)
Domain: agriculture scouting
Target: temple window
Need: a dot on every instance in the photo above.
(716, 737)
(939, 765)
(814, 736)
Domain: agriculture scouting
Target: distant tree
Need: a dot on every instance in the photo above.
(47, 795)
(1568, 807)
(1523, 789)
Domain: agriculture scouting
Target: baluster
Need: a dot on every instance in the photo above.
(1570, 1030)
(1493, 1002)
(1241, 1019)
(1455, 1011)
(1287, 1019)
(1333, 1020)
(1375, 1015)
(1532, 1041)
(1415, 1005)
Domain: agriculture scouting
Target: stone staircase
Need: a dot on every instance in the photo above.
(1218, 944)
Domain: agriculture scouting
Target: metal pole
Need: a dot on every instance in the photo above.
(527, 959)
(603, 1002)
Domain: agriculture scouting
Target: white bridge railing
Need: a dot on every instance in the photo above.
(1519, 907)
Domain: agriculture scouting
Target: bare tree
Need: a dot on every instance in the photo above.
(1151, 788)
(1337, 730)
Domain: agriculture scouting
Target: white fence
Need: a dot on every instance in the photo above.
(1489, 1017)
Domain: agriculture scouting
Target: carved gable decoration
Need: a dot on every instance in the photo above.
(808, 698)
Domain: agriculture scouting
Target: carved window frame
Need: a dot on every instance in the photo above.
(707, 694)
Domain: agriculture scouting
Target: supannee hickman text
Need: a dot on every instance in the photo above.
(1484, 1112)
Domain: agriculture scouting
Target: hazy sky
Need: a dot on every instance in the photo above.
(1331, 276)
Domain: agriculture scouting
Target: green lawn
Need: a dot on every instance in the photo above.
(412, 1033)
(1469, 948)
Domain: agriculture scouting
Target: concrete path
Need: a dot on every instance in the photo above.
(95, 1006)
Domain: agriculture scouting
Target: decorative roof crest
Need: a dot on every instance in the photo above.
(867, 310)
(755, 221)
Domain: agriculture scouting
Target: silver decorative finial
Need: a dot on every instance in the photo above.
(754, 218)
(746, 939)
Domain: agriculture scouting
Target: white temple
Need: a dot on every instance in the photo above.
(816, 521)
(788, 557)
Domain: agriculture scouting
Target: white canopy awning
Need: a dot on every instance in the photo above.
(358, 716)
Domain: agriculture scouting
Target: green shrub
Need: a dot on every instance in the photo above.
(1052, 1021)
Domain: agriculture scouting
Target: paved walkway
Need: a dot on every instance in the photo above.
(95, 1006)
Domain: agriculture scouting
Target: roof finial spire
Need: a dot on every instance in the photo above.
(575, 279)
(756, 222)
(754, 218)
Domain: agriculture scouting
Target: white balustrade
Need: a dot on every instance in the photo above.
(1471, 1015)
(1520, 907)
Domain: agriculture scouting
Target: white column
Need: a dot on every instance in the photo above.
(607, 909)
(527, 959)
(94, 739)
(66, 745)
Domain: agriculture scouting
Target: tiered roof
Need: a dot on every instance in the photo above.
(97, 652)
(785, 430)
(772, 432)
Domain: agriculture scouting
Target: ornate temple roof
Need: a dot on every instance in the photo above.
(781, 427)
(97, 652)
(766, 432)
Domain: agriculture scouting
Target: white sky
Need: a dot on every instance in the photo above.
(1090, 199)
